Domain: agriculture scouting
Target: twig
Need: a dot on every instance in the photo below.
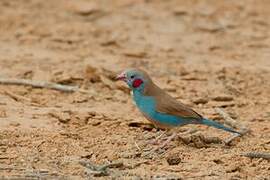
(16, 97)
(257, 155)
(100, 170)
(11, 168)
(233, 123)
(230, 139)
(132, 166)
(228, 120)
(137, 146)
(111, 165)
(93, 169)
(40, 84)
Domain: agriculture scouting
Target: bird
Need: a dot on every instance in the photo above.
(160, 108)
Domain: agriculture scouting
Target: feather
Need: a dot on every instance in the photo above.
(156, 123)
(217, 125)
(168, 105)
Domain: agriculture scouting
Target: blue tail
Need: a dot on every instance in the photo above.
(209, 122)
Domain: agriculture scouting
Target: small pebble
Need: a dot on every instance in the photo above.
(200, 101)
(173, 160)
(223, 98)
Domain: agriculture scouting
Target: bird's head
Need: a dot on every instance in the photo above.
(136, 79)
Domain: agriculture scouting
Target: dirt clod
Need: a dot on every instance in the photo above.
(173, 160)
(223, 98)
(200, 141)
(63, 117)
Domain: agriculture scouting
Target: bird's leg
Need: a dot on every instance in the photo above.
(169, 139)
(157, 138)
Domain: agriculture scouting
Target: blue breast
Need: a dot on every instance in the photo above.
(147, 105)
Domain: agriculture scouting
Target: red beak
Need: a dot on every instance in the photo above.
(121, 76)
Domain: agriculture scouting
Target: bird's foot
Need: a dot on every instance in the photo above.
(169, 139)
(161, 146)
(156, 140)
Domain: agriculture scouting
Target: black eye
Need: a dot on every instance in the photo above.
(132, 76)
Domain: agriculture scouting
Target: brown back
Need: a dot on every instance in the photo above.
(167, 104)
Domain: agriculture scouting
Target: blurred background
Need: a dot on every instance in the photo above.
(205, 53)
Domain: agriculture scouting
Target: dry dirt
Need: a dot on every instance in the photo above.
(205, 53)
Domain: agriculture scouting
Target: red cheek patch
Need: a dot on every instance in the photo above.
(136, 83)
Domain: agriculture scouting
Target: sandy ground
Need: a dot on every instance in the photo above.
(205, 53)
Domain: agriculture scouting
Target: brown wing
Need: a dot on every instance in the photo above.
(168, 105)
